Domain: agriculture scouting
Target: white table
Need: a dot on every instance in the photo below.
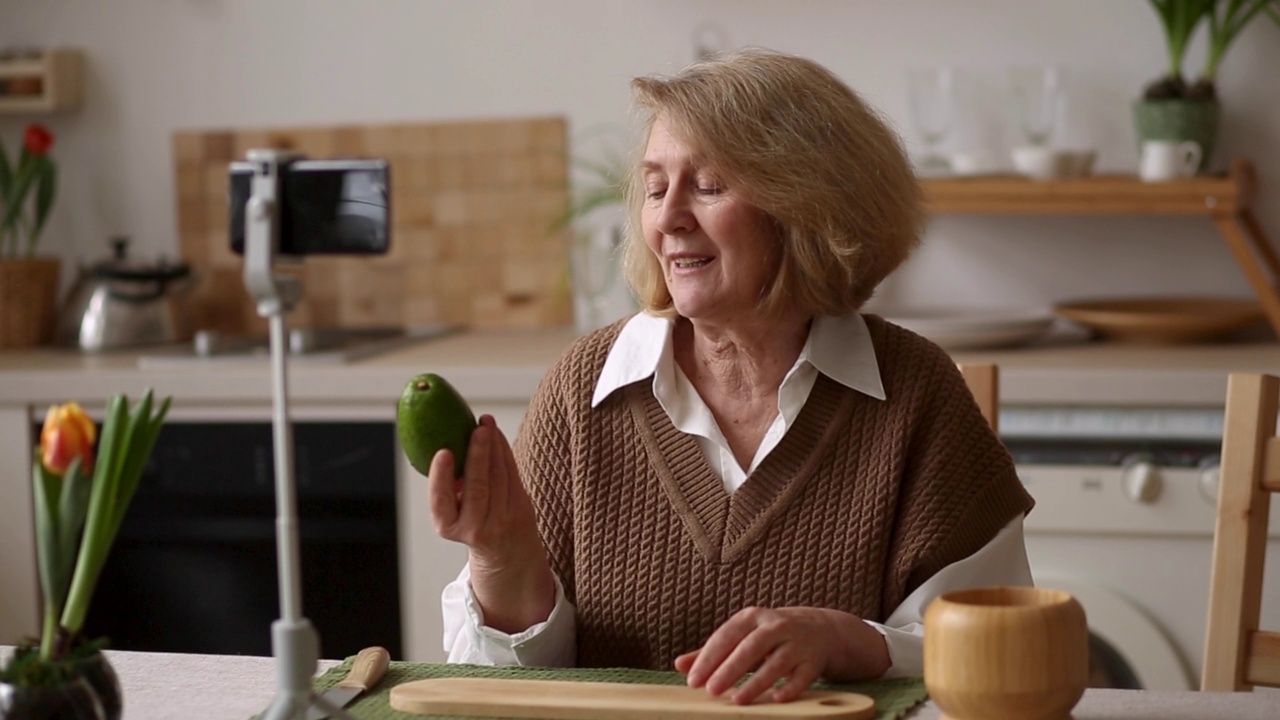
(159, 686)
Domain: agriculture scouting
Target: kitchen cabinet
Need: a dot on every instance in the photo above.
(1226, 200)
(42, 81)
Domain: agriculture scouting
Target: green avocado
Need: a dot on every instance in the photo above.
(431, 415)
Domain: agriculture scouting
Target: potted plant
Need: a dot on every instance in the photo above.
(1172, 108)
(593, 214)
(81, 487)
(28, 284)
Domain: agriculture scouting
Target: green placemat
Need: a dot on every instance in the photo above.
(893, 697)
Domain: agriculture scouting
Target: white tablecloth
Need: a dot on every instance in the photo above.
(159, 686)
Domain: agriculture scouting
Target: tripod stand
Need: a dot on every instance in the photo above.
(294, 641)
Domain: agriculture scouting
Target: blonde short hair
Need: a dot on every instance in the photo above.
(806, 150)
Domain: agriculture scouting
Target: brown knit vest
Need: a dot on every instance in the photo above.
(860, 502)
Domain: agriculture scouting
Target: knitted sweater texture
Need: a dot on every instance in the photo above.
(861, 501)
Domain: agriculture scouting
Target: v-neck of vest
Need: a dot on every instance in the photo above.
(725, 525)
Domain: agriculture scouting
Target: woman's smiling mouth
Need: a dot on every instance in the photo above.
(690, 262)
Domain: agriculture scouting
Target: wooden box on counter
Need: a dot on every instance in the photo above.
(472, 205)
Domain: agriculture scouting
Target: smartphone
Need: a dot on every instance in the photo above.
(328, 207)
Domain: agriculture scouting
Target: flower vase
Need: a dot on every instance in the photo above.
(28, 301)
(92, 693)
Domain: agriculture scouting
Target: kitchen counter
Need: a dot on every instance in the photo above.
(161, 686)
(507, 365)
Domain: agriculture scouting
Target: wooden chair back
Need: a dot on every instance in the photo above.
(983, 380)
(1237, 655)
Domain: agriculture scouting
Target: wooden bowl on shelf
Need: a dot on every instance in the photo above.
(1163, 321)
(1006, 653)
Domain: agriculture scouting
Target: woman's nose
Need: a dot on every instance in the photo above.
(675, 217)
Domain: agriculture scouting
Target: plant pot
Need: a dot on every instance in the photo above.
(74, 700)
(1178, 120)
(93, 693)
(28, 301)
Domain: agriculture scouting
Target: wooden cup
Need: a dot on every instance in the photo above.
(1006, 653)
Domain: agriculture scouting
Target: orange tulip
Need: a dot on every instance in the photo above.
(68, 433)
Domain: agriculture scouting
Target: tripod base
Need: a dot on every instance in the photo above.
(296, 647)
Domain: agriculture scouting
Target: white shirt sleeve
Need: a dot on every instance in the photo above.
(1003, 561)
(551, 643)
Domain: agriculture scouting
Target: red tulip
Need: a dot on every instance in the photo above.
(68, 433)
(37, 140)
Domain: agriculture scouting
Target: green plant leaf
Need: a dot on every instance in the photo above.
(6, 173)
(98, 523)
(22, 181)
(46, 189)
(45, 491)
(1225, 27)
(143, 431)
(72, 509)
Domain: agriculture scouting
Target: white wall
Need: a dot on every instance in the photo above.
(156, 66)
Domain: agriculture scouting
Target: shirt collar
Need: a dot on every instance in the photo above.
(838, 347)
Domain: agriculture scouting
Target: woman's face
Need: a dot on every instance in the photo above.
(716, 250)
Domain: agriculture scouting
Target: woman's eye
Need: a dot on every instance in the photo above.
(655, 193)
(709, 190)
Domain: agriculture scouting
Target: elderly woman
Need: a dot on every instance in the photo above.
(748, 476)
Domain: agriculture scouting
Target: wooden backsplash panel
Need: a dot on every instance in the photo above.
(471, 207)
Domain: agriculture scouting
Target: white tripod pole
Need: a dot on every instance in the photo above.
(294, 641)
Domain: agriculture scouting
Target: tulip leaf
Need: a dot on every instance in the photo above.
(6, 173)
(46, 189)
(45, 495)
(18, 190)
(95, 543)
(144, 439)
(72, 509)
(141, 437)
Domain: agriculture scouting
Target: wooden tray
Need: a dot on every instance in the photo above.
(504, 698)
(1163, 321)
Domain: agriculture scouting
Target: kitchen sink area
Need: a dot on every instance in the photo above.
(306, 345)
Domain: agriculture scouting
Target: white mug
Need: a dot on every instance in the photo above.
(1168, 160)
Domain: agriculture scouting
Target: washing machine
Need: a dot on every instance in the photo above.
(1124, 521)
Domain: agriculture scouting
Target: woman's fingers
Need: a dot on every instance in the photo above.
(717, 648)
(755, 652)
(685, 661)
(499, 480)
(475, 486)
(442, 493)
(798, 680)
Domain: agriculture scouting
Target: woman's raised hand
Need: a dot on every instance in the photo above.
(489, 511)
(797, 644)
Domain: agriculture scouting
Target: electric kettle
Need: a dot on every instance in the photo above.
(118, 303)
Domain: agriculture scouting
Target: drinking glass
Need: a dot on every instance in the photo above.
(1037, 92)
(931, 97)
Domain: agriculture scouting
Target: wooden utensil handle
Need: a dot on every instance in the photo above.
(564, 700)
(369, 667)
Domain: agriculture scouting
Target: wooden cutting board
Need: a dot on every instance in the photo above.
(557, 699)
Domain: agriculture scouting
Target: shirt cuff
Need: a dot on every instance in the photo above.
(906, 649)
(550, 643)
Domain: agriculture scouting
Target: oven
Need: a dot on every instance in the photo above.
(1124, 520)
(193, 569)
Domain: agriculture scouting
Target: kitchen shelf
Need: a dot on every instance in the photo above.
(46, 82)
(1227, 200)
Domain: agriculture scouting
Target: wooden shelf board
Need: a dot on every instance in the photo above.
(1101, 194)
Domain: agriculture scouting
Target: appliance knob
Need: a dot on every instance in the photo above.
(1210, 474)
(1141, 480)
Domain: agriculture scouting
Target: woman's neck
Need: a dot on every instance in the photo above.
(745, 361)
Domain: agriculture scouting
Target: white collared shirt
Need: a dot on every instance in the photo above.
(839, 347)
